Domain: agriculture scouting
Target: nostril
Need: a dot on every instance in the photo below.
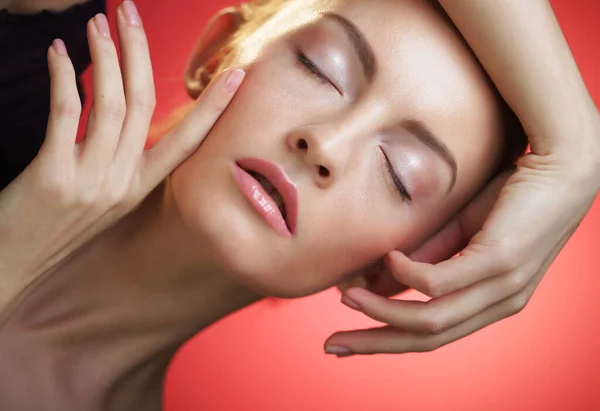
(323, 172)
(302, 144)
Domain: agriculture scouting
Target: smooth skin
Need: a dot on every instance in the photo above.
(501, 260)
(551, 191)
(72, 191)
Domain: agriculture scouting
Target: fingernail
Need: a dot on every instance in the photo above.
(234, 79)
(102, 25)
(131, 13)
(350, 303)
(59, 47)
(338, 350)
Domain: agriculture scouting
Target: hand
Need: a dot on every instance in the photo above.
(71, 192)
(495, 275)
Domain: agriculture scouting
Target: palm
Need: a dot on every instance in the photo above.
(526, 198)
(492, 278)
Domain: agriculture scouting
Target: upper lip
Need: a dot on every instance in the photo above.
(280, 181)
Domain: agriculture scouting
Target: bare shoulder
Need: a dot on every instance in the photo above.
(34, 6)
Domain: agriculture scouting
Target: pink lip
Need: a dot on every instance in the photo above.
(263, 202)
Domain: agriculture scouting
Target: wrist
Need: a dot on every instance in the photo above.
(579, 144)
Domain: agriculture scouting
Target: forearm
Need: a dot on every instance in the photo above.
(521, 46)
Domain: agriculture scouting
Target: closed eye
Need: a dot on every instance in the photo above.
(313, 69)
(397, 181)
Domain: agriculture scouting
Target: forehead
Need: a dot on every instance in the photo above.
(425, 69)
(423, 61)
(421, 57)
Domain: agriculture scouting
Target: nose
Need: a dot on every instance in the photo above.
(325, 152)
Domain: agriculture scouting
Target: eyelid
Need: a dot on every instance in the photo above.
(397, 181)
(314, 69)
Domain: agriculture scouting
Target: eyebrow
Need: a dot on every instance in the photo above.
(359, 42)
(420, 130)
(369, 62)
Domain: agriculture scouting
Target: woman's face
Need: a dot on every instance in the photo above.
(377, 115)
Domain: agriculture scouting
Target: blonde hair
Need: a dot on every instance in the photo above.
(252, 15)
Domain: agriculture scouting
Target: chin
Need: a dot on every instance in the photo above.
(257, 258)
(263, 270)
(236, 238)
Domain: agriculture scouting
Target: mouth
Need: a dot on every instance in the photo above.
(272, 194)
(271, 191)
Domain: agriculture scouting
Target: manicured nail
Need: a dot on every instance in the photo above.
(350, 303)
(131, 13)
(59, 47)
(102, 25)
(234, 79)
(338, 350)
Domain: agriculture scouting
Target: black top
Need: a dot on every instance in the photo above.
(24, 78)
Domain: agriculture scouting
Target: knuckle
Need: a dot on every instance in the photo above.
(112, 198)
(214, 105)
(55, 189)
(120, 198)
(212, 114)
(113, 109)
(86, 198)
(67, 108)
(429, 345)
(433, 286)
(506, 259)
(146, 102)
(516, 281)
(87, 194)
(139, 41)
(517, 304)
(433, 323)
(113, 195)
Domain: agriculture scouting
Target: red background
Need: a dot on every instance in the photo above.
(270, 356)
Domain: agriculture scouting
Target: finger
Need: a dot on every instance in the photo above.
(443, 313)
(375, 278)
(180, 143)
(139, 89)
(444, 244)
(65, 107)
(355, 281)
(475, 264)
(459, 231)
(439, 314)
(384, 284)
(391, 340)
(108, 111)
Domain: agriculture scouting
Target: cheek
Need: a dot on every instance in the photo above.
(257, 119)
(351, 228)
(348, 245)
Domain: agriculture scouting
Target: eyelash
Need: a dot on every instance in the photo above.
(306, 62)
(397, 182)
(312, 67)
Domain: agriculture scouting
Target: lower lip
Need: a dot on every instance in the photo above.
(262, 202)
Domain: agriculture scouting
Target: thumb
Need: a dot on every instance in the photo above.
(177, 145)
(455, 235)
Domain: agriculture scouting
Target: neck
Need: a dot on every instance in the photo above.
(177, 265)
